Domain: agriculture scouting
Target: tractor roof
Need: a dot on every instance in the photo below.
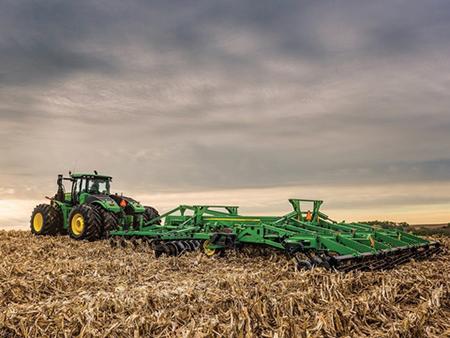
(82, 175)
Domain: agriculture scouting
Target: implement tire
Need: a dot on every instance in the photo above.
(46, 220)
(151, 213)
(85, 223)
(109, 221)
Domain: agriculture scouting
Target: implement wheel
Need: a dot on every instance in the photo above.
(46, 220)
(85, 223)
(207, 249)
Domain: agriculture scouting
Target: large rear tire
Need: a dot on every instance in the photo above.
(151, 213)
(46, 220)
(85, 223)
(110, 221)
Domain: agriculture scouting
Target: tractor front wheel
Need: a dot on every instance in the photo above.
(46, 220)
(85, 223)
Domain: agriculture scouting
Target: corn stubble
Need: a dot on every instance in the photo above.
(54, 286)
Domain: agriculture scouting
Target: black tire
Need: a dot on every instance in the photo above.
(46, 220)
(304, 264)
(92, 223)
(151, 213)
(60, 223)
(110, 221)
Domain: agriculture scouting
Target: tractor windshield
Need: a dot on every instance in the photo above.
(98, 186)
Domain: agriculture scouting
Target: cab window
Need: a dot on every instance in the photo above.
(98, 186)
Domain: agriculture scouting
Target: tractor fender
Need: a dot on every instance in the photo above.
(105, 202)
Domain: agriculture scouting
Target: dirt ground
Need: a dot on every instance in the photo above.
(54, 286)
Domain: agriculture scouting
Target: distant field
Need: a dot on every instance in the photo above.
(58, 287)
(431, 229)
(432, 226)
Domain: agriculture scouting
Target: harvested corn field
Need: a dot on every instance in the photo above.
(55, 286)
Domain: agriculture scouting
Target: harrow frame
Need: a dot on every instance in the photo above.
(310, 236)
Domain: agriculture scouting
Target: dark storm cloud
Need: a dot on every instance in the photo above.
(210, 95)
(42, 40)
(35, 64)
(39, 42)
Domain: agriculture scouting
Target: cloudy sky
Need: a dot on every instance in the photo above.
(242, 102)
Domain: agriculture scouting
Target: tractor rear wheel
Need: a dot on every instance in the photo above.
(110, 221)
(151, 213)
(46, 220)
(85, 223)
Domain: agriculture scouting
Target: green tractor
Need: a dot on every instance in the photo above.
(89, 211)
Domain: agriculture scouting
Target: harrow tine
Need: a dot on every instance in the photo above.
(159, 249)
(304, 264)
(172, 249)
(434, 249)
(181, 248)
(398, 259)
(195, 243)
(383, 260)
(188, 245)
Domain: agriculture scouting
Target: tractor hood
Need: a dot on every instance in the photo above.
(129, 204)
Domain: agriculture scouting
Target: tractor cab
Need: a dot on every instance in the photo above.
(89, 184)
(82, 186)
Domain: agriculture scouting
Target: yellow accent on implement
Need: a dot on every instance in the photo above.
(372, 241)
(77, 224)
(207, 250)
(38, 222)
(233, 219)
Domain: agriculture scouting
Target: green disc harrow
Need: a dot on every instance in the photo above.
(308, 235)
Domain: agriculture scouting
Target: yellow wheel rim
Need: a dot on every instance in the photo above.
(77, 224)
(207, 250)
(38, 222)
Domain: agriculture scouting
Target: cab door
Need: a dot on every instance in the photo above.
(77, 188)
